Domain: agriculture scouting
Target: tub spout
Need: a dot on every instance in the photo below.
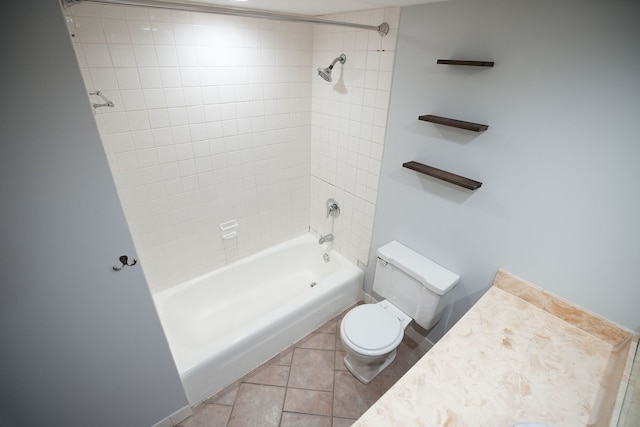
(326, 238)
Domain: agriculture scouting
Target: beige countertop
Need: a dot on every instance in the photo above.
(519, 355)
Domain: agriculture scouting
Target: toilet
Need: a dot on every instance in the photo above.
(415, 288)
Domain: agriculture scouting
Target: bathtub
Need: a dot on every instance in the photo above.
(225, 323)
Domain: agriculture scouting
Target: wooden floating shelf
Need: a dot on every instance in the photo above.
(452, 178)
(470, 63)
(476, 127)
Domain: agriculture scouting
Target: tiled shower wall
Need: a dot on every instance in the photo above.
(349, 119)
(211, 123)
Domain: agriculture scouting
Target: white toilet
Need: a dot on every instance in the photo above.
(415, 288)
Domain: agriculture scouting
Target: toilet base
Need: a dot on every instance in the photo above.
(365, 372)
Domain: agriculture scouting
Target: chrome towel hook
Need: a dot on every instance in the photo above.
(125, 263)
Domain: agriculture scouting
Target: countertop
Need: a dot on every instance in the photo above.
(518, 355)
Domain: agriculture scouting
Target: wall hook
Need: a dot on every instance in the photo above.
(125, 263)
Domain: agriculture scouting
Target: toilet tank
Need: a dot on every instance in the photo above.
(415, 284)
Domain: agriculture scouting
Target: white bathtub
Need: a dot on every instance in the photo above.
(225, 323)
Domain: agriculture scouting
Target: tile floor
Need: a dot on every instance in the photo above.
(307, 385)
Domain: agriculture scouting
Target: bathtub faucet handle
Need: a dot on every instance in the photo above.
(333, 209)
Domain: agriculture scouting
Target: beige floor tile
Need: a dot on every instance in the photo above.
(351, 397)
(343, 422)
(339, 363)
(226, 396)
(312, 369)
(329, 328)
(387, 381)
(308, 401)
(257, 405)
(284, 358)
(317, 340)
(207, 415)
(304, 420)
(320, 393)
(339, 345)
(268, 375)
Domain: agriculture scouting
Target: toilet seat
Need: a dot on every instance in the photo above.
(371, 330)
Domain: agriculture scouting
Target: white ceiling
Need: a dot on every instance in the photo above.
(314, 7)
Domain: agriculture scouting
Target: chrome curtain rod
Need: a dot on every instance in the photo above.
(382, 29)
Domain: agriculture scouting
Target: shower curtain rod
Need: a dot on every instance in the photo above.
(382, 29)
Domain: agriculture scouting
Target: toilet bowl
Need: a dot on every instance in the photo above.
(371, 334)
(415, 288)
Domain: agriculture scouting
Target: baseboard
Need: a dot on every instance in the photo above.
(175, 418)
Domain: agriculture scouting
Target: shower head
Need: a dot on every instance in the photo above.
(325, 73)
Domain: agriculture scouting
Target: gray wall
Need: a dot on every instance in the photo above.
(81, 345)
(560, 201)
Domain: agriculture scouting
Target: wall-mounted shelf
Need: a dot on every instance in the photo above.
(452, 178)
(470, 63)
(475, 127)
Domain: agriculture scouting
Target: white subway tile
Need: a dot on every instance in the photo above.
(162, 33)
(162, 136)
(111, 11)
(169, 170)
(174, 97)
(167, 154)
(140, 32)
(115, 122)
(177, 116)
(170, 77)
(128, 78)
(159, 15)
(192, 96)
(167, 56)
(116, 31)
(190, 77)
(187, 167)
(85, 9)
(89, 30)
(97, 55)
(138, 120)
(103, 79)
(133, 99)
(154, 98)
(159, 118)
(187, 56)
(126, 161)
(122, 55)
(147, 157)
(141, 139)
(150, 77)
(145, 55)
(136, 13)
(198, 132)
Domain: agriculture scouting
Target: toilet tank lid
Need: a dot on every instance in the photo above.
(433, 276)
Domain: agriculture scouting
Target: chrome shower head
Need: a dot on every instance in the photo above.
(325, 73)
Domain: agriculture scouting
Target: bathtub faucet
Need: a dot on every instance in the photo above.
(326, 238)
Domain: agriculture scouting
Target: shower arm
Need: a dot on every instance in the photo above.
(339, 58)
(382, 29)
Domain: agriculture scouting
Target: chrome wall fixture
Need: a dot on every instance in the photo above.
(325, 73)
(106, 102)
(382, 29)
(333, 208)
